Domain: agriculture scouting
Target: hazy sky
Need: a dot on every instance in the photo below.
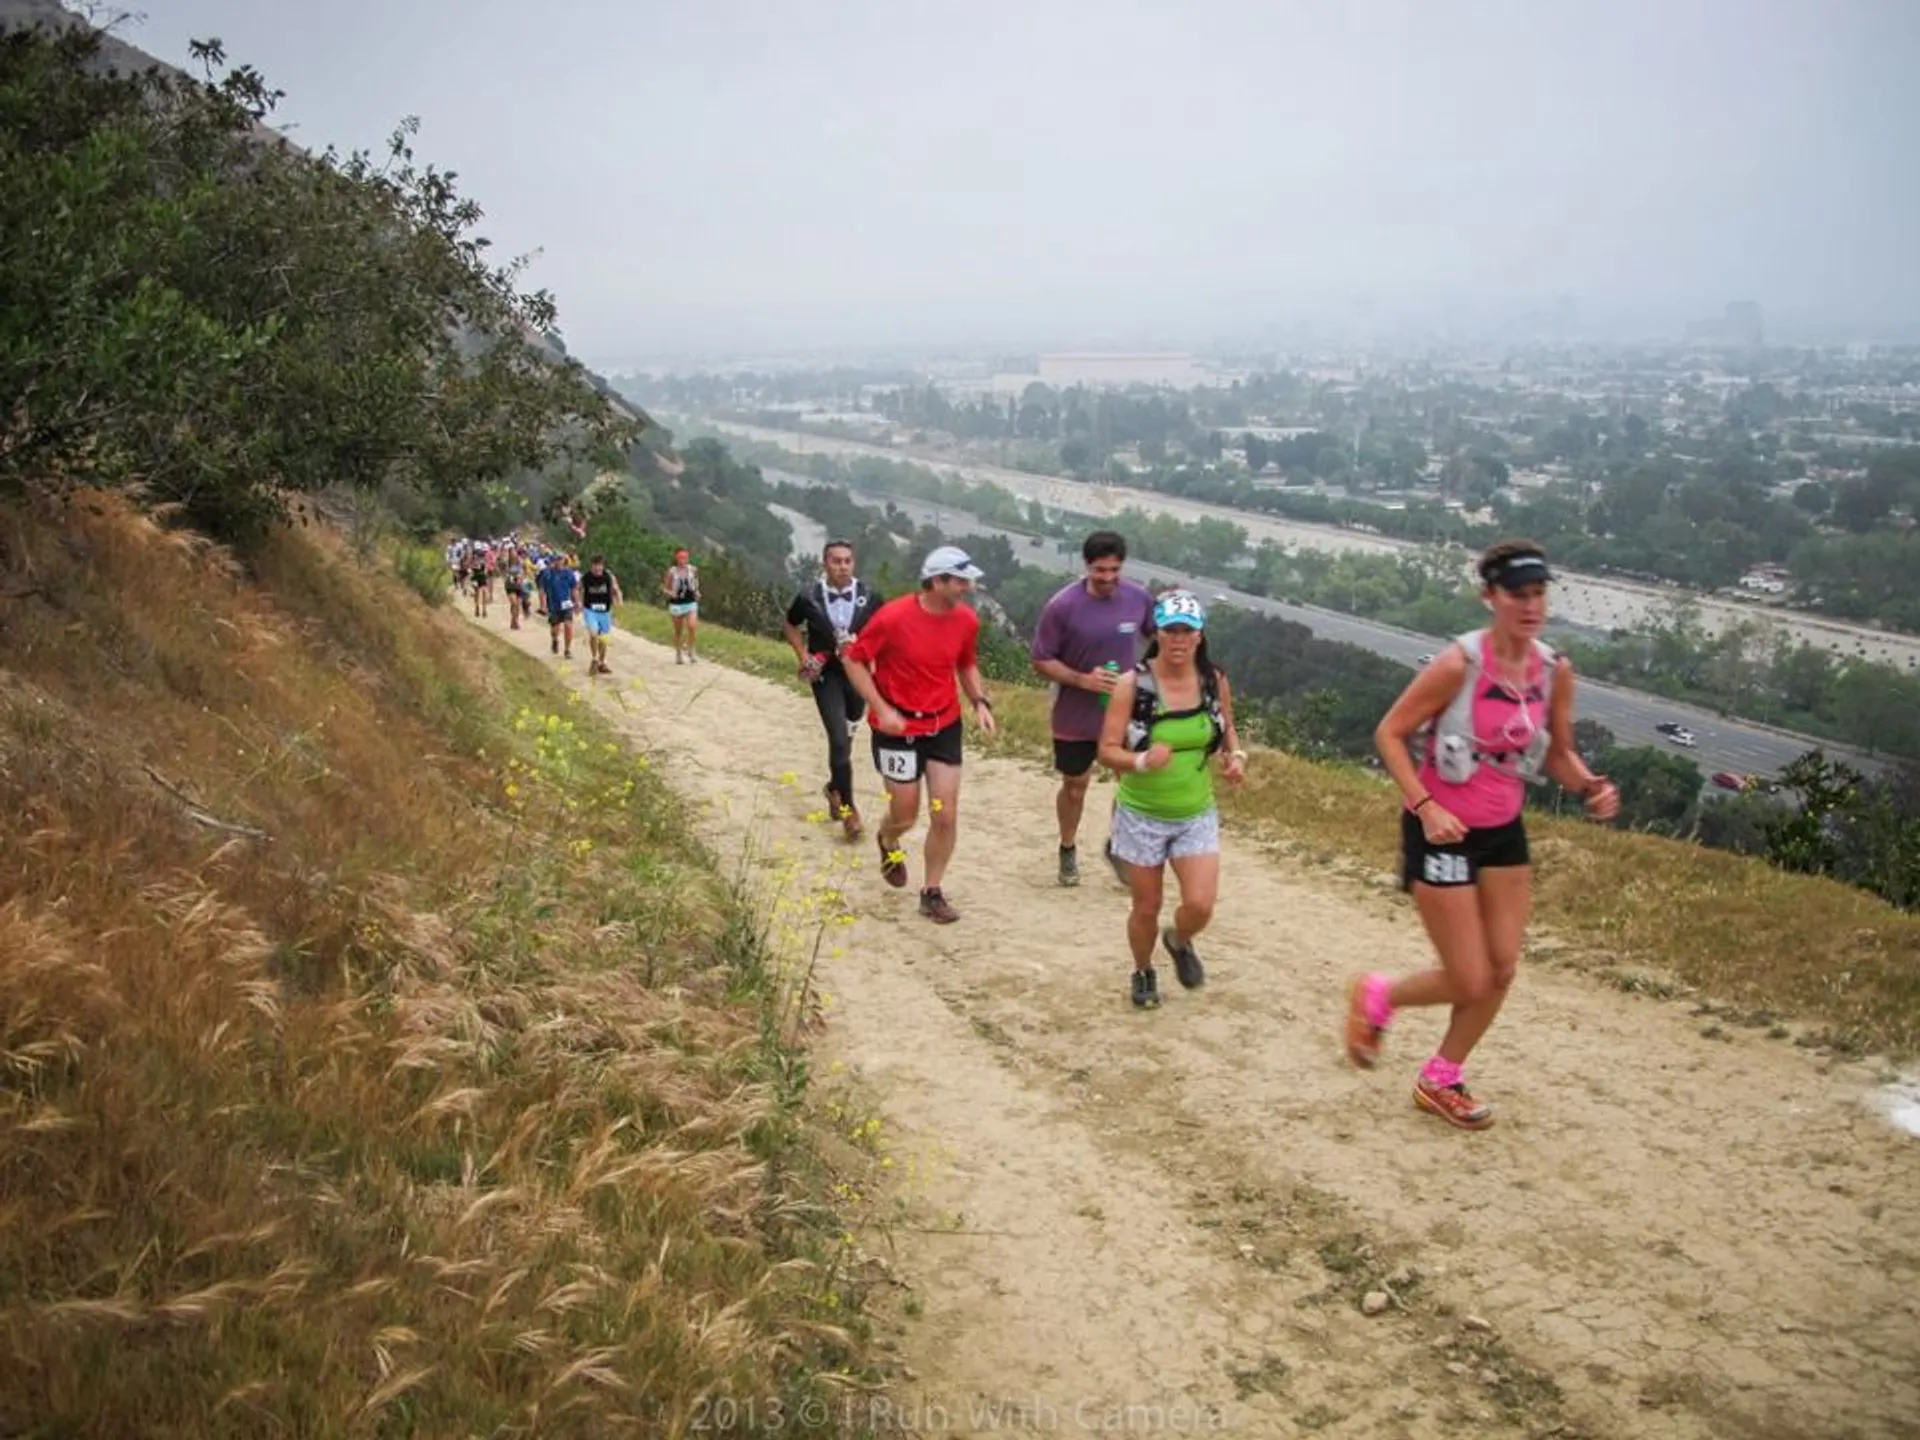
(730, 173)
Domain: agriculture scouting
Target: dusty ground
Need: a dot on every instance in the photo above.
(1164, 1223)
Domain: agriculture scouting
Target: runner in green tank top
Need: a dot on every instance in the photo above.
(1162, 727)
(1182, 789)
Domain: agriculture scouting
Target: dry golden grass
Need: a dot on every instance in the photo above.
(368, 1065)
(1742, 934)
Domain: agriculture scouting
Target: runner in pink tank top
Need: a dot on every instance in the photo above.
(1464, 843)
(1509, 709)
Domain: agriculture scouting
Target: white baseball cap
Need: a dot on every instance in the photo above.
(950, 560)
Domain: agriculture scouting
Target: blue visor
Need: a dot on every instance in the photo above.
(1179, 607)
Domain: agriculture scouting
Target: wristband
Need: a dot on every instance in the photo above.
(1139, 760)
(983, 700)
(1425, 800)
(1239, 755)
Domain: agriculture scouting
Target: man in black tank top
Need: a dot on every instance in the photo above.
(599, 593)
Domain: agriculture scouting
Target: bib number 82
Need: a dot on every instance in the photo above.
(902, 766)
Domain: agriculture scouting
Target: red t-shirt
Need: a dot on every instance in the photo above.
(913, 654)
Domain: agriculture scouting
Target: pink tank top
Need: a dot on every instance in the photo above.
(1503, 725)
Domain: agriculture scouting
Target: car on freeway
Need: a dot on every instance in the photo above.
(1729, 779)
(1424, 660)
(1683, 738)
(1669, 727)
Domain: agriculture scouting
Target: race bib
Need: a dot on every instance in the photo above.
(902, 766)
(601, 608)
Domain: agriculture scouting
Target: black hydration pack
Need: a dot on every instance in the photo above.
(1146, 708)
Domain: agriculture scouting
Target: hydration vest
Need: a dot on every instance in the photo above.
(686, 585)
(1146, 708)
(1447, 740)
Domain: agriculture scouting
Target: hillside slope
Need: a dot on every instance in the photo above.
(378, 1052)
(1168, 1222)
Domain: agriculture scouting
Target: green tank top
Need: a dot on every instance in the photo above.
(1184, 789)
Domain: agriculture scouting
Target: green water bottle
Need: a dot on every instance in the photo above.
(1106, 695)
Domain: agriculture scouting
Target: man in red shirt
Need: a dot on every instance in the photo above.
(905, 664)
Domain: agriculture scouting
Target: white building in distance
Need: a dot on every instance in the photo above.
(1180, 371)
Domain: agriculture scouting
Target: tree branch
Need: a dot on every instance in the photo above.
(200, 816)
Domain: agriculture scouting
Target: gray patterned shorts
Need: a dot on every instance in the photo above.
(1142, 840)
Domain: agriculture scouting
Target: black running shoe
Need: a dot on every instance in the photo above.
(934, 906)
(1186, 960)
(893, 863)
(1069, 866)
(1146, 989)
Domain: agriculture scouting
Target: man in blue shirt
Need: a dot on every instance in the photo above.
(560, 587)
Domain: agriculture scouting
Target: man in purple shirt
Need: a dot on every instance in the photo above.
(1089, 635)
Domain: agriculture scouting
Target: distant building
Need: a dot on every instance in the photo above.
(1740, 324)
(1181, 371)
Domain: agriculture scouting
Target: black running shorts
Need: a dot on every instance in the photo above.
(1460, 863)
(1074, 758)
(902, 759)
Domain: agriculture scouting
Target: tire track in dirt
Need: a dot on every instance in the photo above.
(1178, 1212)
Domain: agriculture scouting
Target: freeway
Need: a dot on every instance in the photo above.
(1632, 715)
(1599, 603)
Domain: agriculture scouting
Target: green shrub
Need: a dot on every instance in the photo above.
(424, 570)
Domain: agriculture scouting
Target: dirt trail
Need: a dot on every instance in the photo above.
(1163, 1223)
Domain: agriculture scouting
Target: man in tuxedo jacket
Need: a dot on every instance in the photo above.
(820, 621)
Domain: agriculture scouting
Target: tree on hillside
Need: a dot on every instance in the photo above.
(1807, 838)
(196, 306)
(1657, 790)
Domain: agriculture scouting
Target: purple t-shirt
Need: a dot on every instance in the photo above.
(1086, 633)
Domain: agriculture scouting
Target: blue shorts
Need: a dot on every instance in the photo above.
(680, 611)
(599, 622)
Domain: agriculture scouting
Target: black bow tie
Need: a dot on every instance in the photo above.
(840, 594)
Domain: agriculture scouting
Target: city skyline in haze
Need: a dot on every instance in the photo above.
(736, 175)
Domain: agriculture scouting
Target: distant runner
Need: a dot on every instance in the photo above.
(1088, 639)
(518, 587)
(1166, 721)
(479, 576)
(560, 588)
(820, 623)
(1494, 709)
(599, 593)
(905, 664)
(681, 586)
